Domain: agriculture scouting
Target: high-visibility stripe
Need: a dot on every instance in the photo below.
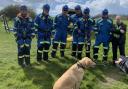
(96, 54)
(105, 47)
(26, 55)
(62, 49)
(56, 42)
(33, 33)
(74, 51)
(36, 24)
(54, 50)
(105, 55)
(96, 46)
(88, 43)
(62, 43)
(27, 45)
(79, 51)
(87, 51)
(39, 51)
(45, 50)
(74, 42)
(42, 42)
(81, 43)
(20, 56)
(22, 46)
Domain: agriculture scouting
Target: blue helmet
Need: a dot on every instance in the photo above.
(23, 8)
(78, 7)
(105, 12)
(46, 7)
(65, 8)
(86, 10)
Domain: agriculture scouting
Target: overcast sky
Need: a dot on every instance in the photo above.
(96, 6)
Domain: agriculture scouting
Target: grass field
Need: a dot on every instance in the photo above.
(44, 75)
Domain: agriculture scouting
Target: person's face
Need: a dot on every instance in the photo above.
(86, 15)
(78, 12)
(65, 12)
(105, 16)
(24, 13)
(118, 20)
(46, 12)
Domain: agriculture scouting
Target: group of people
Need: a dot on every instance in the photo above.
(81, 24)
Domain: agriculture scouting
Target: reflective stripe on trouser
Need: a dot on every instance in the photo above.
(39, 52)
(62, 49)
(45, 51)
(74, 50)
(79, 53)
(20, 54)
(54, 49)
(105, 55)
(95, 52)
(88, 49)
(27, 54)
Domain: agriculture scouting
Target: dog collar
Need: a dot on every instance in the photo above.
(80, 65)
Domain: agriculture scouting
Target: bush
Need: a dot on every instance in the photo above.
(11, 11)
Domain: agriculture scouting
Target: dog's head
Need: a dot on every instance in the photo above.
(87, 62)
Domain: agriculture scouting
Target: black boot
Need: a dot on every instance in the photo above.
(27, 61)
(88, 50)
(74, 49)
(39, 56)
(79, 54)
(95, 53)
(105, 56)
(53, 53)
(62, 48)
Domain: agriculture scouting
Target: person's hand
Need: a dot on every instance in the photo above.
(122, 31)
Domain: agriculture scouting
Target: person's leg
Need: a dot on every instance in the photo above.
(106, 49)
(46, 49)
(20, 44)
(88, 46)
(122, 49)
(55, 44)
(114, 50)
(74, 46)
(88, 43)
(63, 43)
(80, 47)
(27, 51)
(39, 50)
(96, 49)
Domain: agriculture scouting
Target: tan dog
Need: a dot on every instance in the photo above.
(72, 78)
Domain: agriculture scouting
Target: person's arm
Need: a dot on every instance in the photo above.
(15, 26)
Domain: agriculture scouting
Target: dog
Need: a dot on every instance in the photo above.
(72, 78)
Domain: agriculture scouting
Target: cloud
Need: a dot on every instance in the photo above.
(114, 6)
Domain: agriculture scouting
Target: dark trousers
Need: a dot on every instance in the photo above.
(115, 45)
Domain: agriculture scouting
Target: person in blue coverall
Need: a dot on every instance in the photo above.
(24, 32)
(44, 26)
(62, 22)
(89, 24)
(77, 41)
(103, 32)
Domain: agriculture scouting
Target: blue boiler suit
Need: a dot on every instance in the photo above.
(103, 32)
(61, 26)
(44, 26)
(24, 32)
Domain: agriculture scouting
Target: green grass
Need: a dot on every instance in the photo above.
(44, 75)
